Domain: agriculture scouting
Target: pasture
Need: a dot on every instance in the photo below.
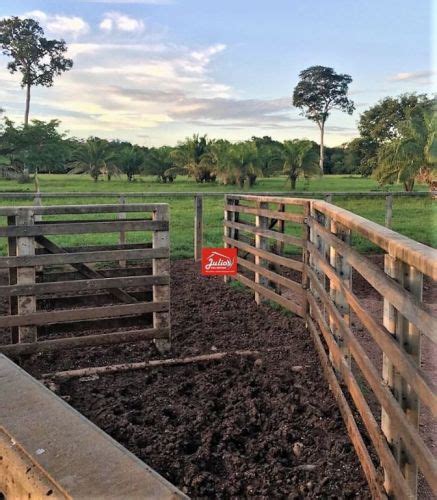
(412, 216)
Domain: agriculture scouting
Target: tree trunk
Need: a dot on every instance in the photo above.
(26, 112)
(293, 182)
(409, 185)
(322, 147)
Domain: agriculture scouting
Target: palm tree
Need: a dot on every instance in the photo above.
(195, 158)
(243, 163)
(94, 158)
(298, 158)
(130, 160)
(413, 154)
(158, 162)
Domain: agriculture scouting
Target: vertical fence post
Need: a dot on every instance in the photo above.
(261, 242)
(306, 257)
(328, 197)
(122, 236)
(228, 231)
(13, 301)
(161, 293)
(198, 226)
(388, 210)
(25, 246)
(344, 272)
(408, 337)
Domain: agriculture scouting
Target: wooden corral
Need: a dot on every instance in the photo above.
(321, 292)
(57, 293)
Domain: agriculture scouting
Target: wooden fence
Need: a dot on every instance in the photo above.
(79, 289)
(319, 288)
(331, 197)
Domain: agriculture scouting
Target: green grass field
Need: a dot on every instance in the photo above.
(413, 217)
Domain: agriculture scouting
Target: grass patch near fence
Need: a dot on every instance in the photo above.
(414, 217)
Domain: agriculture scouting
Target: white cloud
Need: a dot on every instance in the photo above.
(58, 24)
(116, 21)
(413, 76)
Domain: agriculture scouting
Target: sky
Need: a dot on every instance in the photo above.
(156, 71)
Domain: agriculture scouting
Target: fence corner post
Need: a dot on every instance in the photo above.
(161, 293)
(198, 226)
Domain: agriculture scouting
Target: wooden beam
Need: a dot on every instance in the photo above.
(84, 341)
(86, 286)
(84, 228)
(282, 261)
(402, 299)
(161, 267)
(85, 270)
(270, 214)
(385, 341)
(57, 258)
(261, 243)
(83, 314)
(25, 277)
(271, 295)
(276, 235)
(422, 257)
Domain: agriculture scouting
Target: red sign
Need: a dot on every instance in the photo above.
(219, 261)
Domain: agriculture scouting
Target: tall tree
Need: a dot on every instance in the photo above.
(383, 122)
(38, 59)
(319, 91)
(413, 153)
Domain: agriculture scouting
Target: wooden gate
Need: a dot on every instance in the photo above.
(71, 272)
(344, 330)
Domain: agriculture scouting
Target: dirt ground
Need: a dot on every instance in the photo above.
(240, 427)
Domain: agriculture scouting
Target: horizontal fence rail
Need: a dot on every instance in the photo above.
(319, 288)
(99, 286)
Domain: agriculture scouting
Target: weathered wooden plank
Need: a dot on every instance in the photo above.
(261, 244)
(276, 235)
(271, 275)
(412, 373)
(83, 314)
(378, 440)
(410, 436)
(99, 248)
(161, 267)
(278, 259)
(83, 257)
(268, 198)
(373, 478)
(403, 300)
(408, 338)
(270, 294)
(230, 231)
(271, 214)
(82, 209)
(422, 257)
(13, 301)
(44, 229)
(25, 277)
(85, 286)
(85, 270)
(84, 341)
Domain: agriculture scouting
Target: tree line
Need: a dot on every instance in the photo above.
(397, 140)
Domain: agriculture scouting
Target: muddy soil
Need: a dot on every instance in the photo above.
(241, 427)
